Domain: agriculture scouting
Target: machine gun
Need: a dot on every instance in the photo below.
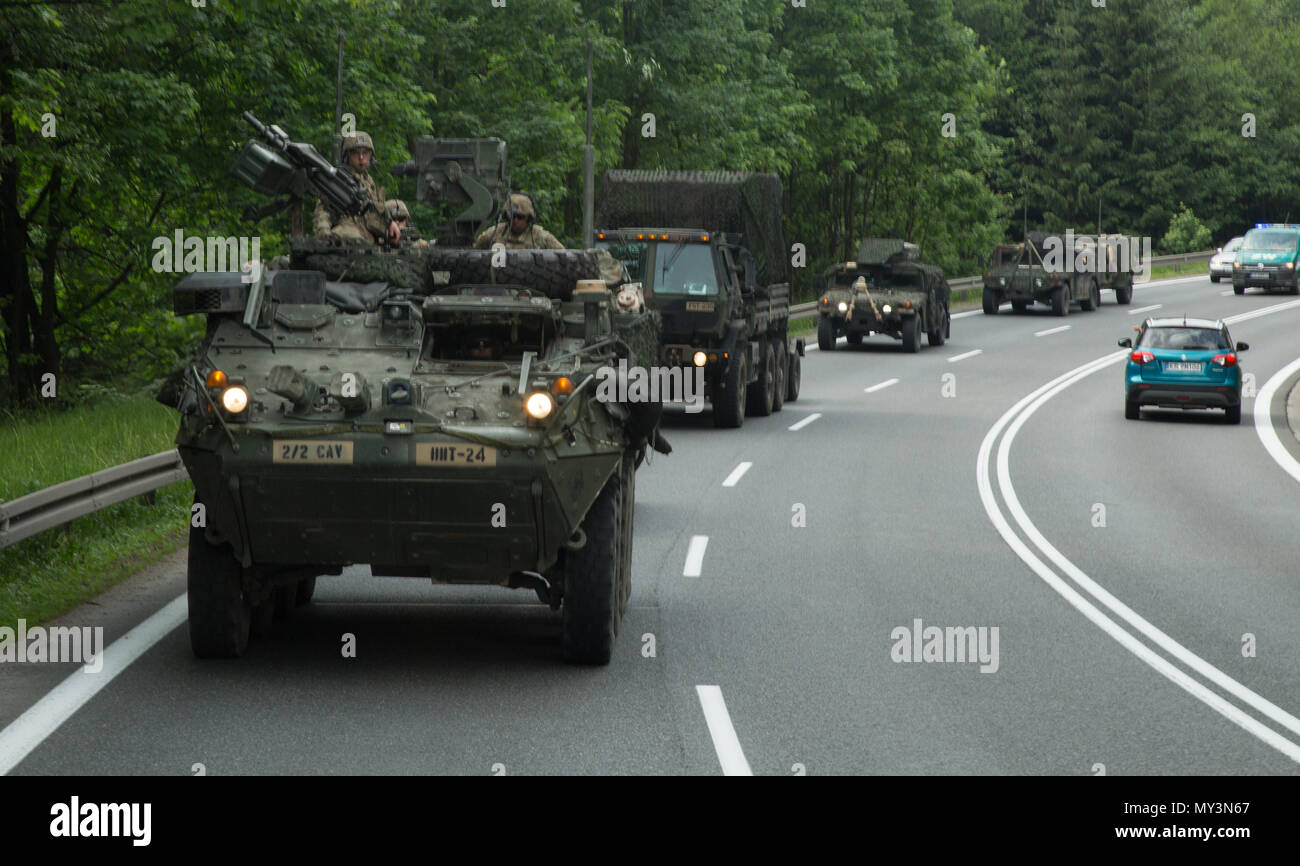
(293, 169)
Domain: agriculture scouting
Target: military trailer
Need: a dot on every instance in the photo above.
(1057, 270)
(709, 251)
(885, 291)
(432, 413)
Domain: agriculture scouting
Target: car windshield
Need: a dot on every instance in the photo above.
(1184, 339)
(1279, 239)
(684, 269)
(1233, 245)
(630, 253)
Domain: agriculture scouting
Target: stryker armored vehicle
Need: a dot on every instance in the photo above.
(885, 291)
(708, 248)
(1057, 270)
(430, 412)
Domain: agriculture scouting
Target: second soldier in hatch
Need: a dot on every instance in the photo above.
(375, 223)
(520, 230)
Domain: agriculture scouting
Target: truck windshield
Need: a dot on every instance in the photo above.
(684, 269)
(630, 253)
(1270, 240)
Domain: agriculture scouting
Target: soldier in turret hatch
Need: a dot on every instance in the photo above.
(520, 230)
(374, 224)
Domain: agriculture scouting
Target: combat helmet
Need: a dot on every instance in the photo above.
(522, 203)
(357, 140)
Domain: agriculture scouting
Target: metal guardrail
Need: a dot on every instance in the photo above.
(54, 506)
(801, 311)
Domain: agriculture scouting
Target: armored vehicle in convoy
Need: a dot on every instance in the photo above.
(885, 291)
(709, 251)
(1057, 270)
(431, 412)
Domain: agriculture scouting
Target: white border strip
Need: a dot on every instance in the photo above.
(725, 741)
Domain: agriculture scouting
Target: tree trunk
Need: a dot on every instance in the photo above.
(15, 286)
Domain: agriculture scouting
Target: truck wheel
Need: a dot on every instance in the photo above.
(219, 614)
(1124, 294)
(729, 403)
(1093, 301)
(825, 335)
(1060, 302)
(286, 601)
(853, 338)
(762, 390)
(306, 589)
(912, 334)
(592, 575)
(936, 337)
(263, 616)
(792, 380)
(990, 303)
(782, 372)
(1019, 306)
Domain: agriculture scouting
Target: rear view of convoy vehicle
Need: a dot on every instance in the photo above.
(1057, 270)
(886, 291)
(709, 250)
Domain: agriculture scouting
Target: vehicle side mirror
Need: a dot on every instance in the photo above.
(1126, 343)
(1241, 347)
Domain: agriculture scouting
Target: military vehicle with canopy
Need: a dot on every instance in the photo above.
(886, 290)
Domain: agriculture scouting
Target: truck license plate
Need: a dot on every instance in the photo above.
(310, 451)
(1183, 367)
(441, 454)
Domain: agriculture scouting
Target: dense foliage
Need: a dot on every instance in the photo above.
(954, 124)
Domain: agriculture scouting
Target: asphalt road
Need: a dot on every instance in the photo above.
(1156, 635)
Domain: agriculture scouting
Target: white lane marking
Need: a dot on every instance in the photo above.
(799, 425)
(1145, 309)
(1005, 306)
(1051, 331)
(879, 387)
(1225, 294)
(44, 717)
(736, 474)
(695, 555)
(725, 741)
(964, 355)
(1264, 421)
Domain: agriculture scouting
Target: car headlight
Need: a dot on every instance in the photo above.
(539, 404)
(1290, 266)
(886, 309)
(234, 399)
(843, 307)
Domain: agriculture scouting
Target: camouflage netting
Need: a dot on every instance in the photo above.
(728, 201)
(361, 263)
(926, 277)
(640, 331)
(876, 251)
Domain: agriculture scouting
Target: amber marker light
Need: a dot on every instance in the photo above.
(216, 379)
(562, 385)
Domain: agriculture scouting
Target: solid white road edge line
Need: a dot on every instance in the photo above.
(799, 425)
(736, 474)
(880, 386)
(725, 741)
(1264, 421)
(695, 555)
(44, 717)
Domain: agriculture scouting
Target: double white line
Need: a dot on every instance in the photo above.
(1117, 619)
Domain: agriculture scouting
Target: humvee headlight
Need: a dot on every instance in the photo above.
(216, 379)
(886, 309)
(539, 404)
(700, 359)
(234, 399)
(843, 307)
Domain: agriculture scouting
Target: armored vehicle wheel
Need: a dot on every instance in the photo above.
(990, 303)
(762, 390)
(219, 615)
(625, 558)
(729, 398)
(782, 372)
(306, 589)
(937, 336)
(555, 272)
(853, 338)
(1093, 301)
(912, 334)
(1019, 306)
(1123, 294)
(592, 577)
(1060, 302)
(792, 380)
(1131, 410)
(263, 615)
(825, 335)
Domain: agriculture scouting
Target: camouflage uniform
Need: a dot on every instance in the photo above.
(534, 237)
(370, 227)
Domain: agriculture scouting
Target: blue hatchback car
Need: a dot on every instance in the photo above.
(1183, 364)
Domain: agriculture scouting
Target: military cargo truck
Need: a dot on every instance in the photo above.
(1074, 269)
(709, 250)
(885, 291)
(430, 413)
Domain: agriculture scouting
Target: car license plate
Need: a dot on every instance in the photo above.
(442, 454)
(310, 451)
(1259, 275)
(1182, 367)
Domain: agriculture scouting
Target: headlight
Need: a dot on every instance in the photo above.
(700, 359)
(234, 399)
(1002, 282)
(1038, 284)
(886, 309)
(843, 307)
(1290, 266)
(539, 404)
